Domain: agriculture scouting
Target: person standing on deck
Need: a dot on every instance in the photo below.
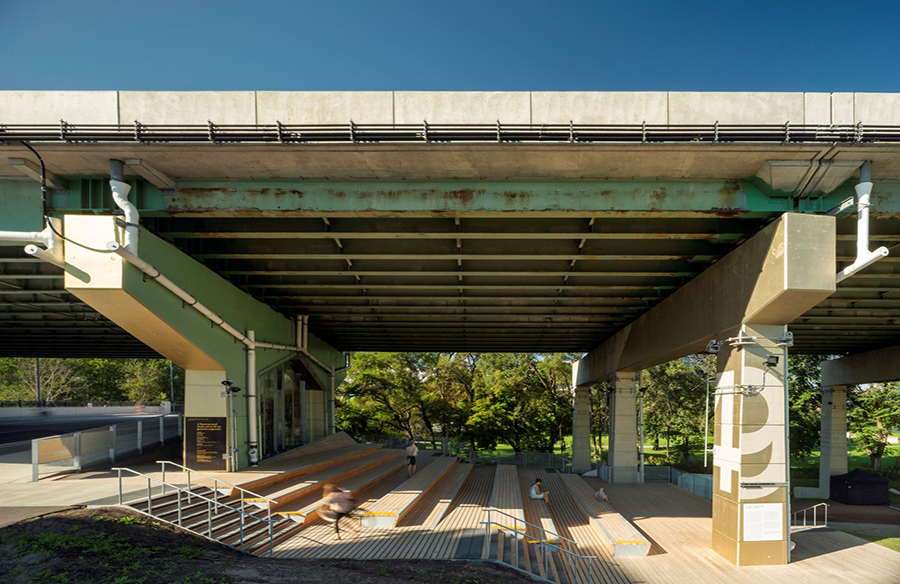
(535, 492)
(411, 452)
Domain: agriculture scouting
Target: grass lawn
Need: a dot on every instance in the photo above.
(892, 543)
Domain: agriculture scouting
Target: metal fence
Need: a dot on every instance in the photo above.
(464, 451)
(94, 448)
(66, 403)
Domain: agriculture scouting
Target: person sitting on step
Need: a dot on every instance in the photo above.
(535, 492)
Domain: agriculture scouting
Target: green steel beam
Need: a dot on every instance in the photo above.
(444, 235)
(475, 198)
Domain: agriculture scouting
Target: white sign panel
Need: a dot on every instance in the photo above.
(763, 521)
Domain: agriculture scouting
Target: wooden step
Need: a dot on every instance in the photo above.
(537, 509)
(300, 467)
(623, 538)
(395, 505)
(303, 510)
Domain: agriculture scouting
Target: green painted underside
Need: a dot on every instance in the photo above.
(20, 206)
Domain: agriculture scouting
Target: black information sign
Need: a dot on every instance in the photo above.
(205, 443)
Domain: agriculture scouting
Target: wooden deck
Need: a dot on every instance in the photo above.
(676, 523)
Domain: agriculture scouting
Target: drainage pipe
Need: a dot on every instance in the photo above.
(120, 190)
(173, 287)
(252, 401)
(194, 303)
(864, 257)
(45, 255)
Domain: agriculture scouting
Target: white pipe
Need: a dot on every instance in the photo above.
(193, 302)
(172, 287)
(44, 255)
(252, 401)
(864, 257)
(26, 236)
(120, 192)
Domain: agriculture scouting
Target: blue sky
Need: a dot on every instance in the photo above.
(462, 45)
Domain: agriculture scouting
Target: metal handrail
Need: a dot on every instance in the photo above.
(815, 514)
(35, 458)
(216, 481)
(571, 556)
(784, 133)
(209, 504)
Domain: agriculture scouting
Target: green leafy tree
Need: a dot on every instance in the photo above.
(874, 411)
(388, 392)
(805, 399)
(59, 380)
(146, 380)
(674, 403)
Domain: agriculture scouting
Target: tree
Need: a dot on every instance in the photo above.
(146, 380)
(804, 381)
(387, 393)
(59, 380)
(674, 403)
(874, 411)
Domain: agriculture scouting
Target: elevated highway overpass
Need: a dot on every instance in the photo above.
(632, 227)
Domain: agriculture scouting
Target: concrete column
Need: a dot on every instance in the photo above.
(623, 429)
(833, 459)
(581, 431)
(750, 470)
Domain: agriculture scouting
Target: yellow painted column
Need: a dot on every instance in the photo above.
(750, 465)
(623, 454)
(581, 431)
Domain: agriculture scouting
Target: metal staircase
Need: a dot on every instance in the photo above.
(215, 512)
(524, 547)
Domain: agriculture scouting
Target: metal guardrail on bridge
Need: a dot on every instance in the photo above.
(425, 132)
(93, 448)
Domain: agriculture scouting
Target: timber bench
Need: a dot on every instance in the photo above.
(507, 498)
(622, 537)
(314, 462)
(392, 507)
(288, 492)
(538, 509)
(303, 509)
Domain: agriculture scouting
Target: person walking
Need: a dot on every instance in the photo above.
(337, 503)
(535, 492)
(411, 452)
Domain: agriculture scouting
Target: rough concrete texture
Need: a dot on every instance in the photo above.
(187, 107)
(48, 107)
(735, 108)
(412, 107)
(877, 108)
(462, 107)
(611, 107)
(325, 107)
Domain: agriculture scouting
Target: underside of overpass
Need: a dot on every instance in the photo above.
(633, 231)
(456, 237)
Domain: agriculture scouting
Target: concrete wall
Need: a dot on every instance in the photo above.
(412, 107)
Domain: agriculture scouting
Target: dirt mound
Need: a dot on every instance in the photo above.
(117, 545)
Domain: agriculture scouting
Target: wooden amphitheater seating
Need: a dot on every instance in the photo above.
(622, 537)
(507, 497)
(290, 491)
(454, 481)
(303, 510)
(539, 509)
(392, 507)
(315, 461)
